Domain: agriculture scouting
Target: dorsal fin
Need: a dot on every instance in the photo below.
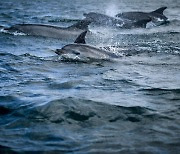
(160, 10)
(81, 38)
(142, 23)
(83, 24)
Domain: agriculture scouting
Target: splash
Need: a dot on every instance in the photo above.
(12, 33)
(111, 9)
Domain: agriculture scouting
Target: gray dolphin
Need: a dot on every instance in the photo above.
(157, 16)
(79, 50)
(51, 31)
(105, 20)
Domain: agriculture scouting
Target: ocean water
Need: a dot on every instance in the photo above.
(131, 105)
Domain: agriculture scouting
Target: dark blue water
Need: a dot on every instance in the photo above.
(131, 105)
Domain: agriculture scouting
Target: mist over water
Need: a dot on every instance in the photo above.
(127, 105)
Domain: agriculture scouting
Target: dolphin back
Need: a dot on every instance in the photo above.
(83, 25)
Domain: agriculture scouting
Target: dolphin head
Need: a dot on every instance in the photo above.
(70, 49)
(81, 52)
(90, 15)
(84, 53)
(93, 16)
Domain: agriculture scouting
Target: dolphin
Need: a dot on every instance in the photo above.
(157, 17)
(51, 31)
(105, 20)
(79, 50)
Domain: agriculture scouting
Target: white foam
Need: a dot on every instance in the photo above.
(13, 33)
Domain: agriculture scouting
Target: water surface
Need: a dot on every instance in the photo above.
(126, 106)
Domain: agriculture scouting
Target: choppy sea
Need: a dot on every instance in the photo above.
(127, 106)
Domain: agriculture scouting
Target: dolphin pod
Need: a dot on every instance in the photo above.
(157, 16)
(83, 51)
(122, 20)
(79, 48)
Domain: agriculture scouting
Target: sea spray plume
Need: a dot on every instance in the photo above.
(111, 9)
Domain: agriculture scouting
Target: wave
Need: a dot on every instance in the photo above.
(79, 125)
(71, 110)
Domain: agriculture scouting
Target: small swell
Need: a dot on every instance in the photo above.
(7, 99)
(4, 110)
(7, 150)
(77, 116)
(66, 20)
(177, 91)
(64, 85)
(122, 81)
(9, 54)
(9, 68)
(9, 103)
(6, 16)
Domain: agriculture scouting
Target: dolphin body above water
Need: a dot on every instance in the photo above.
(51, 31)
(105, 20)
(81, 51)
(157, 17)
